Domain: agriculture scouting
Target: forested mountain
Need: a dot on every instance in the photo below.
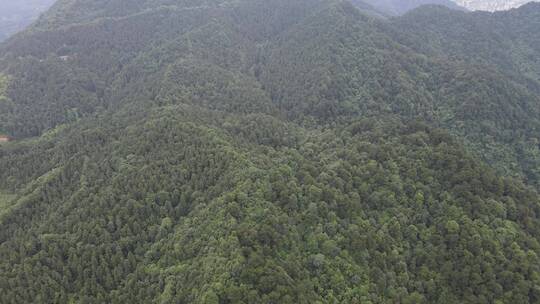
(284, 151)
(16, 15)
(506, 59)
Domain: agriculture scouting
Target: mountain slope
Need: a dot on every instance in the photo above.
(509, 41)
(260, 152)
(369, 69)
(507, 53)
(202, 206)
(101, 59)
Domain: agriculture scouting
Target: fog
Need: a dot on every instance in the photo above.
(15, 15)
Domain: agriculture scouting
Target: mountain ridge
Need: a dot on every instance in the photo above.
(269, 152)
(490, 5)
(396, 8)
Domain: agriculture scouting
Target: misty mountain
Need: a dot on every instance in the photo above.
(491, 5)
(400, 7)
(16, 15)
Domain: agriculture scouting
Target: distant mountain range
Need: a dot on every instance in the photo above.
(400, 7)
(16, 15)
(491, 5)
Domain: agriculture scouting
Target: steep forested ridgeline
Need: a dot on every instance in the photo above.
(370, 66)
(182, 204)
(103, 49)
(505, 46)
(508, 40)
(360, 68)
(265, 152)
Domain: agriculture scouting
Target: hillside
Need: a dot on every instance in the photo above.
(502, 129)
(285, 151)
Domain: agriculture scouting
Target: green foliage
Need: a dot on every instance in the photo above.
(325, 63)
(166, 208)
(3, 85)
(4, 101)
(264, 152)
(5, 202)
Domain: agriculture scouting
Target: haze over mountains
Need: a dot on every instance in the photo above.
(15, 15)
(284, 151)
(400, 7)
(491, 5)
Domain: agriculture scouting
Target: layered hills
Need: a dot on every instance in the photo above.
(400, 7)
(304, 151)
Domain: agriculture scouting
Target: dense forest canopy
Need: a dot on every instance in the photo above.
(284, 151)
